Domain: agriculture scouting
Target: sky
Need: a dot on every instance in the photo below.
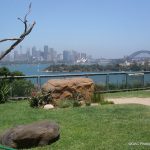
(101, 28)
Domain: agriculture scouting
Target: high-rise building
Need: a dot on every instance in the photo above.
(45, 55)
(28, 56)
(66, 56)
(34, 52)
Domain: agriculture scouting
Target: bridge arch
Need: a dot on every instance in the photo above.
(137, 53)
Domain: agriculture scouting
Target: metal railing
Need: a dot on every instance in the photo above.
(111, 81)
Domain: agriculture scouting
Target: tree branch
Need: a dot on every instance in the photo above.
(27, 31)
(11, 39)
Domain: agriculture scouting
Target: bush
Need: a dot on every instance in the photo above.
(34, 102)
(39, 99)
(19, 87)
(4, 91)
(22, 87)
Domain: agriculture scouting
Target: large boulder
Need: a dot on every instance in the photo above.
(69, 88)
(31, 135)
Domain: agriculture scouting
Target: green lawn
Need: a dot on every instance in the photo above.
(144, 93)
(107, 127)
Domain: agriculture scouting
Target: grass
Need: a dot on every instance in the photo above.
(142, 94)
(107, 127)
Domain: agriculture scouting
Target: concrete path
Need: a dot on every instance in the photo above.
(133, 100)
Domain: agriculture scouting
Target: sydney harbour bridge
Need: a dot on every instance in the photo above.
(139, 55)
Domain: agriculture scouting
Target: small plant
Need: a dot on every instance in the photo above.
(39, 99)
(34, 102)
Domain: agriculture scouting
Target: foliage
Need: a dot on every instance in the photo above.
(98, 68)
(22, 87)
(34, 102)
(39, 99)
(4, 71)
(4, 91)
(14, 87)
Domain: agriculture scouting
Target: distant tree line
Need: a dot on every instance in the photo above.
(97, 68)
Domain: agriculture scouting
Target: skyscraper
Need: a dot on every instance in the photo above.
(66, 56)
(45, 55)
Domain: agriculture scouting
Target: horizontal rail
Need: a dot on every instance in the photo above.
(72, 75)
(125, 82)
(123, 90)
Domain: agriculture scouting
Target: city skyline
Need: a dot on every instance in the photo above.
(109, 29)
(46, 54)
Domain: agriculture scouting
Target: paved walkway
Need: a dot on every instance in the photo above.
(133, 100)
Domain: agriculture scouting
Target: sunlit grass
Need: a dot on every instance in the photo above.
(144, 94)
(89, 128)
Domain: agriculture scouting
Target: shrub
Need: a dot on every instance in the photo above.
(39, 99)
(34, 102)
(22, 87)
(4, 91)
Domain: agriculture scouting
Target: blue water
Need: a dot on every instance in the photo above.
(37, 69)
(28, 69)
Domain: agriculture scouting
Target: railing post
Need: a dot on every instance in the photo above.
(126, 80)
(143, 80)
(107, 81)
(40, 82)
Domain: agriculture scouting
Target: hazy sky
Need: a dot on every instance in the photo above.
(102, 28)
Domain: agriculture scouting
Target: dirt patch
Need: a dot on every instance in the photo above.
(133, 100)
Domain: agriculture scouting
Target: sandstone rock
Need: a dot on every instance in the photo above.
(76, 88)
(32, 135)
(48, 106)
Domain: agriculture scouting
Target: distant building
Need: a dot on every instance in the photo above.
(66, 56)
(45, 55)
(34, 52)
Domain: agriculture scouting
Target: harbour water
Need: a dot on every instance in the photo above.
(37, 69)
